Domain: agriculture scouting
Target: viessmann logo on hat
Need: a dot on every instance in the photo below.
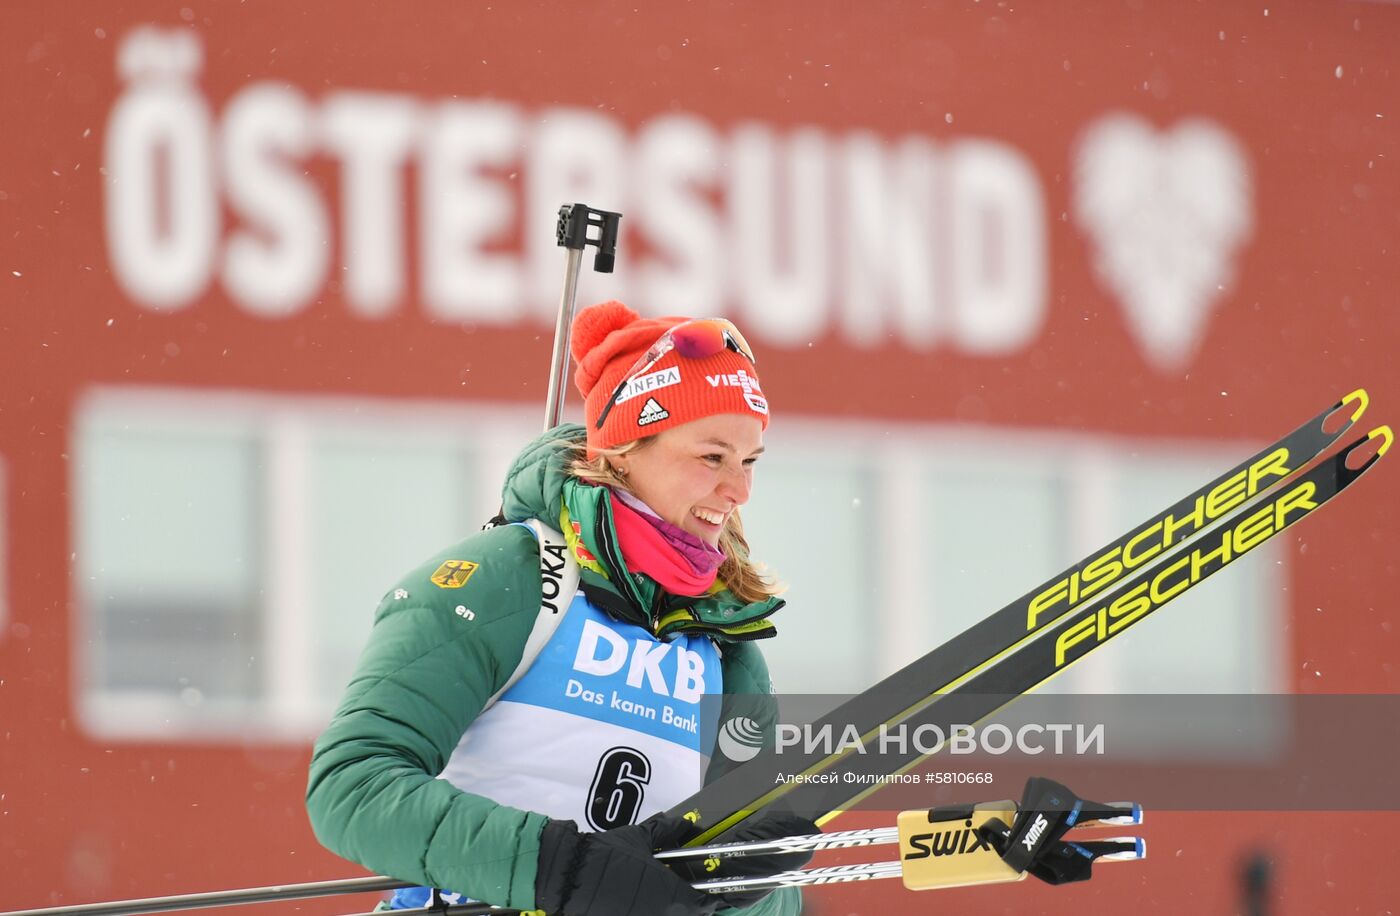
(753, 395)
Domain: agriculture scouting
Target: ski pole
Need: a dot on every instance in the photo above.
(940, 847)
(1115, 849)
(1123, 814)
(1115, 813)
(571, 233)
(271, 894)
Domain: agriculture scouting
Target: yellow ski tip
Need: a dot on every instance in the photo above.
(1385, 433)
(1362, 399)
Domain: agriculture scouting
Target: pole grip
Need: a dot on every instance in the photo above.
(572, 233)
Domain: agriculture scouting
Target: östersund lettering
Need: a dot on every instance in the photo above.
(200, 191)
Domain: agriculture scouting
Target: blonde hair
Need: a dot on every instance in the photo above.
(738, 572)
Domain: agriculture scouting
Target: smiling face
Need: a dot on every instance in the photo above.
(696, 474)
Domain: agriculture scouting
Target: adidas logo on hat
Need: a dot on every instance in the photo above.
(652, 412)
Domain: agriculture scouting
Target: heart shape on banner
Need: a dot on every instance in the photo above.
(1166, 211)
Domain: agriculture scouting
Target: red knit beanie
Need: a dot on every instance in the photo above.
(607, 341)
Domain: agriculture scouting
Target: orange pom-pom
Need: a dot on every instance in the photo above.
(595, 323)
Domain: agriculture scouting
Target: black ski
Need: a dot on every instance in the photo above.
(1080, 633)
(748, 788)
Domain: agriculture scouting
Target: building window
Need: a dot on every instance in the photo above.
(898, 545)
(231, 549)
(170, 564)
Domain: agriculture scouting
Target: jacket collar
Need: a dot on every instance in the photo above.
(587, 522)
(538, 485)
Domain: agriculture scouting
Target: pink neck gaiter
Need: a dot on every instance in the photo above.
(677, 560)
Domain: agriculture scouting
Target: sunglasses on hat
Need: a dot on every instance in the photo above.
(696, 339)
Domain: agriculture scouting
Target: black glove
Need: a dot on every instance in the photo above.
(766, 825)
(614, 873)
(1063, 862)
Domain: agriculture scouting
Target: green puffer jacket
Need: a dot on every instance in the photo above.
(373, 796)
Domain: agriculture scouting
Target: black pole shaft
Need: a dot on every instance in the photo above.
(456, 909)
(270, 894)
(1255, 877)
